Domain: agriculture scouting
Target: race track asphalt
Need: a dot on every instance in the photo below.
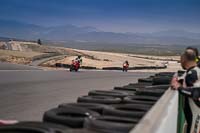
(25, 94)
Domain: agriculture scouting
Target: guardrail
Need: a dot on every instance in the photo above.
(163, 116)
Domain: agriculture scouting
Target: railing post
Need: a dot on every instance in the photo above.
(181, 116)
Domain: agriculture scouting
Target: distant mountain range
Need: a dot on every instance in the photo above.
(14, 29)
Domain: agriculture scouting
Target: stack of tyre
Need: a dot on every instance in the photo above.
(101, 111)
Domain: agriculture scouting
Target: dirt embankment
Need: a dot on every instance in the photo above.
(27, 52)
(108, 59)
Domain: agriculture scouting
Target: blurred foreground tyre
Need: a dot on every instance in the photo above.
(140, 100)
(144, 98)
(161, 87)
(110, 124)
(68, 116)
(139, 85)
(99, 99)
(150, 92)
(133, 86)
(170, 74)
(33, 127)
(161, 80)
(108, 93)
(145, 80)
(134, 107)
(127, 92)
(91, 106)
(129, 110)
(125, 88)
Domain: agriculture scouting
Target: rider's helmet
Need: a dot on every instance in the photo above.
(79, 56)
(126, 62)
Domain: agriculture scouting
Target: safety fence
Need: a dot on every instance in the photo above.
(165, 117)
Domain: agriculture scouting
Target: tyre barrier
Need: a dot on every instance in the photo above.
(143, 98)
(135, 107)
(161, 87)
(127, 92)
(68, 116)
(163, 80)
(111, 111)
(33, 127)
(88, 67)
(58, 65)
(112, 68)
(157, 90)
(123, 111)
(135, 68)
(140, 85)
(138, 100)
(99, 99)
(150, 92)
(170, 74)
(147, 67)
(110, 124)
(68, 66)
(111, 93)
(126, 88)
(133, 86)
(91, 106)
(146, 80)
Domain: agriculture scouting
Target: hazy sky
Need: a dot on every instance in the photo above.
(107, 15)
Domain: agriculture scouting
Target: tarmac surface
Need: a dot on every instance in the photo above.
(9, 66)
(27, 92)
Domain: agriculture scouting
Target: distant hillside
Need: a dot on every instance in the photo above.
(132, 48)
(70, 33)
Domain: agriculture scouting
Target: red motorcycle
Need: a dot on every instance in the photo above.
(125, 67)
(74, 66)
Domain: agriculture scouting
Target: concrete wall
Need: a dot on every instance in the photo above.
(162, 118)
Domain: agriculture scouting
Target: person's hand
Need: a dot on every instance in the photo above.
(175, 84)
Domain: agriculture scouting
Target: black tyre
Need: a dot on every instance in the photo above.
(110, 124)
(140, 85)
(33, 127)
(145, 80)
(107, 93)
(161, 87)
(150, 92)
(127, 92)
(124, 112)
(139, 100)
(125, 88)
(91, 106)
(144, 98)
(112, 68)
(165, 80)
(133, 107)
(99, 99)
(68, 116)
(170, 74)
(133, 87)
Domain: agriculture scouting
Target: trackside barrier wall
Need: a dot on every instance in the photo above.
(163, 116)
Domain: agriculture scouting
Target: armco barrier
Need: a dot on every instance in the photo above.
(162, 118)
